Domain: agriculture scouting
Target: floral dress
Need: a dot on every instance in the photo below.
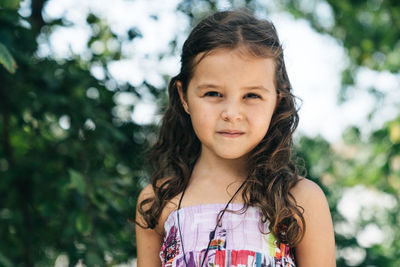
(238, 240)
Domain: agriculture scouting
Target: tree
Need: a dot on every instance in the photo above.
(369, 32)
(70, 165)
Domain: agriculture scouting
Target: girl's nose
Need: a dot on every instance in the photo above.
(232, 112)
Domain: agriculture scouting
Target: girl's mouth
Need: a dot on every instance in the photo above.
(231, 133)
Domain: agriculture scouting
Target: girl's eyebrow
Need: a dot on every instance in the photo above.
(257, 87)
(214, 86)
(207, 85)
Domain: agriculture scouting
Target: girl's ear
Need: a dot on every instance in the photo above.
(182, 96)
(278, 100)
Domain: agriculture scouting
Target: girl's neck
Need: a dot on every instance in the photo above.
(218, 170)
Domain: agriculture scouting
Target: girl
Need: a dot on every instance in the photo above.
(224, 191)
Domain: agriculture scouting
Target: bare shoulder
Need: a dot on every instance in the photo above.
(148, 193)
(148, 241)
(307, 192)
(148, 190)
(317, 248)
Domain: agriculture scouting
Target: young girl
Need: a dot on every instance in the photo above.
(224, 191)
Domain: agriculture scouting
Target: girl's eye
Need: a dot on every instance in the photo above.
(212, 94)
(252, 96)
(216, 94)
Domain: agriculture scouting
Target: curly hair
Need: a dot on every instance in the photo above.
(271, 171)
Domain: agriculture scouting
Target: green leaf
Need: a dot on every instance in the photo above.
(98, 202)
(4, 261)
(93, 259)
(9, 4)
(83, 224)
(77, 181)
(394, 132)
(6, 59)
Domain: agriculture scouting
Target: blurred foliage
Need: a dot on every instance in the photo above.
(71, 158)
(9, 4)
(7, 60)
(373, 164)
(370, 33)
(368, 30)
(70, 166)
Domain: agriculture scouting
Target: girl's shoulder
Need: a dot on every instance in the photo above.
(307, 192)
(170, 206)
(317, 248)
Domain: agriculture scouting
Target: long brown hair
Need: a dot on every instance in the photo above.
(271, 173)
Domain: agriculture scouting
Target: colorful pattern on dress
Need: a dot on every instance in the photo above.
(261, 249)
(170, 247)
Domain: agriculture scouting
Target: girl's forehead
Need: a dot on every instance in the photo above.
(223, 59)
(232, 66)
(241, 51)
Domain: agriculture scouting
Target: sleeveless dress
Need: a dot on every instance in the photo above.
(237, 242)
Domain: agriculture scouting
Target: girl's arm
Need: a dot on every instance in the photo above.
(317, 247)
(148, 241)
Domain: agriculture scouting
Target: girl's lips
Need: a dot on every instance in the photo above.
(231, 133)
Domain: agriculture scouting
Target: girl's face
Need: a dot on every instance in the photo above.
(230, 99)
